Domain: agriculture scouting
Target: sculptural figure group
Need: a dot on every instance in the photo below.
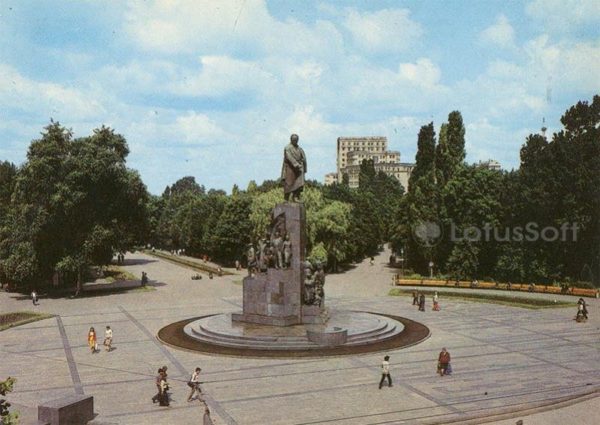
(314, 281)
(273, 251)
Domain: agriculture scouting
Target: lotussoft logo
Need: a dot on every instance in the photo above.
(427, 233)
(531, 232)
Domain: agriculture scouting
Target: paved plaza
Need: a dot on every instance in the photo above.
(505, 359)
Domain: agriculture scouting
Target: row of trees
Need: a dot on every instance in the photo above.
(74, 203)
(540, 223)
(342, 224)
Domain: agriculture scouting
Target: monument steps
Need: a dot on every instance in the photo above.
(209, 331)
(229, 341)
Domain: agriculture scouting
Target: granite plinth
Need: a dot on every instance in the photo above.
(275, 296)
(75, 409)
(344, 328)
(333, 338)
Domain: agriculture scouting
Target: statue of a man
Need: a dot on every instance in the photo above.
(293, 170)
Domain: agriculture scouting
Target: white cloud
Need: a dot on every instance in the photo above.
(415, 86)
(423, 73)
(564, 15)
(18, 93)
(207, 27)
(222, 75)
(198, 128)
(570, 66)
(386, 30)
(500, 34)
(174, 26)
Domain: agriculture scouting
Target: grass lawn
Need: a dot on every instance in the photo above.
(511, 300)
(115, 273)
(9, 320)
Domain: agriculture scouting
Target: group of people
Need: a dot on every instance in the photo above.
(419, 300)
(93, 341)
(162, 397)
(443, 367)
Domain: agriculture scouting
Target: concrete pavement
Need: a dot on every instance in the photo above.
(504, 359)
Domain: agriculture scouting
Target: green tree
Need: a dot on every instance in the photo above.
(420, 208)
(232, 231)
(8, 174)
(463, 261)
(425, 158)
(74, 203)
(450, 151)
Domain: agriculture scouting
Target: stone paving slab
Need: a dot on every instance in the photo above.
(520, 357)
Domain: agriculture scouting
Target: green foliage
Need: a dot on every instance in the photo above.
(232, 231)
(318, 254)
(7, 418)
(463, 261)
(73, 202)
(425, 158)
(450, 152)
(558, 183)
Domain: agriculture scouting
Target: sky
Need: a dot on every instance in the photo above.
(214, 88)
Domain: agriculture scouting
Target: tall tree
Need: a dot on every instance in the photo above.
(450, 152)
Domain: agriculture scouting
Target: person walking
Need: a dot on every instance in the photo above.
(157, 383)
(436, 303)
(108, 336)
(415, 295)
(194, 384)
(444, 362)
(163, 398)
(144, 279)
(422, 302)
(34, 297)
(385, 372)
(92, 342)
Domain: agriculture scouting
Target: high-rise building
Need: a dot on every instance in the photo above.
(351, 151)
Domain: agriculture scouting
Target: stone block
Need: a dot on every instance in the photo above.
(71, 410)
(329, 337)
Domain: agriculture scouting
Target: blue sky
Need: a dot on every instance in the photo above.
(213, 89)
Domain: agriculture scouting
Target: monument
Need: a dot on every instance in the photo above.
(283, 311)
(283, 290)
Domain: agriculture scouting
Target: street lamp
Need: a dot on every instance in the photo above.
(402, 260)
(431, 269)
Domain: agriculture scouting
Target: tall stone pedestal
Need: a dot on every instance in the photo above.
(276, 297)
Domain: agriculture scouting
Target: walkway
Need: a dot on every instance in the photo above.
(503, 358)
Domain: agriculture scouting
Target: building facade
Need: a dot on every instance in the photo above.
(351, 151)
(490, 164)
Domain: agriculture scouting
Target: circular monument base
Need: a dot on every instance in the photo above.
(346, 332)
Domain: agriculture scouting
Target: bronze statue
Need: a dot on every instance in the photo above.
(293, 169)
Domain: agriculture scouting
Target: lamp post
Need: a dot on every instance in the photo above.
(431, 269)
(402, 260)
